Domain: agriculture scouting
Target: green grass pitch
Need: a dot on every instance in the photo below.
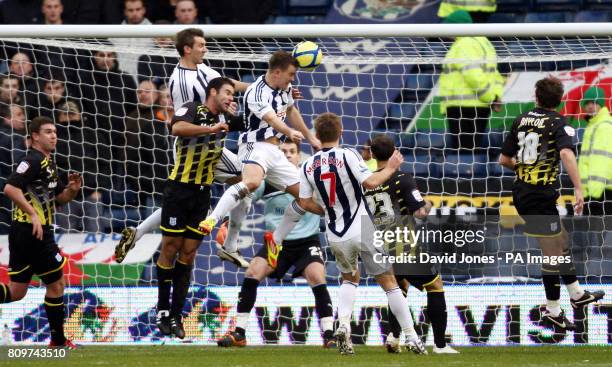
(183, 356)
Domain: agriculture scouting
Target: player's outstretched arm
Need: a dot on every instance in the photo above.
(297, 121)
(186, 129)
(240, 86)
(569, 162)
(378, 178)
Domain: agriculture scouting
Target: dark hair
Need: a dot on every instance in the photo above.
(217, 84)
(5, 110)
(549, 92)
(382, 147)
(299, 149)
(36, 123)
(54, 77)
(281, 60)
(143, 2)
(328, 127)
(186, 38)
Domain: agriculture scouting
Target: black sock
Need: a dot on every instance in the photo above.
(164, 283)
(54, 306)
(568, 270)
(436, 310)
(180, 286)
(394, 325)
(5, 293)
(323, 303)
(247, 295)
(551, 280)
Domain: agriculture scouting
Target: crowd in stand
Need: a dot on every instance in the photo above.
(109, 108)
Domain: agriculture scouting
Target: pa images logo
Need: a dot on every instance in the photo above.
(381, 10)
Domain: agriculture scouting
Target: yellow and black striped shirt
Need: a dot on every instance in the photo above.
(535, 140)
(392, 205)
(37, 177)
(197, 157)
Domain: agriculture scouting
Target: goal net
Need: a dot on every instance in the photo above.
(107, 92)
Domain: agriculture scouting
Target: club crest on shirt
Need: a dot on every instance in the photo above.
(23, 167)
(181, 111)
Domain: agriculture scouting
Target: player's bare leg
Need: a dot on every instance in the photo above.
(257, 271)
(180, 283)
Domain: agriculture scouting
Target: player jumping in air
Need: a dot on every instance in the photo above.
(268, 103)
(537, 141)
(188, 83)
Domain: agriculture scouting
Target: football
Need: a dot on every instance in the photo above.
(308, 54)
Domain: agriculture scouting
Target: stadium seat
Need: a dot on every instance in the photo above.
(403, 111)
(592, 16)
(421, 165)
(513, 6)
(464, 166)
(550, 17)
(493, 138)
(605, 5)
(556, 5)
(304, 7)
(418, 86)
(506, 18)
(407, 140)
(431, 139)
(298, 19)
(494, 169)
(247, 78)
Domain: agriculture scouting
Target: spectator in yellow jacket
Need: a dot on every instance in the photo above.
(470, 86)
(595, 161)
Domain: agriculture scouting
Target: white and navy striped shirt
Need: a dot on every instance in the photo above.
(260, 99)
(189, 85)
(336, 175)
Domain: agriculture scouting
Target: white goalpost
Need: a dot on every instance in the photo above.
(381, 79)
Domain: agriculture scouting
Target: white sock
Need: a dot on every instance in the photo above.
(554, 307)
(399, 306)
(346, 301)
(236, 217)
(148, 225)
(293, 214)
(575, 290)
(242, 320)
(229, 200)
(327, 323)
